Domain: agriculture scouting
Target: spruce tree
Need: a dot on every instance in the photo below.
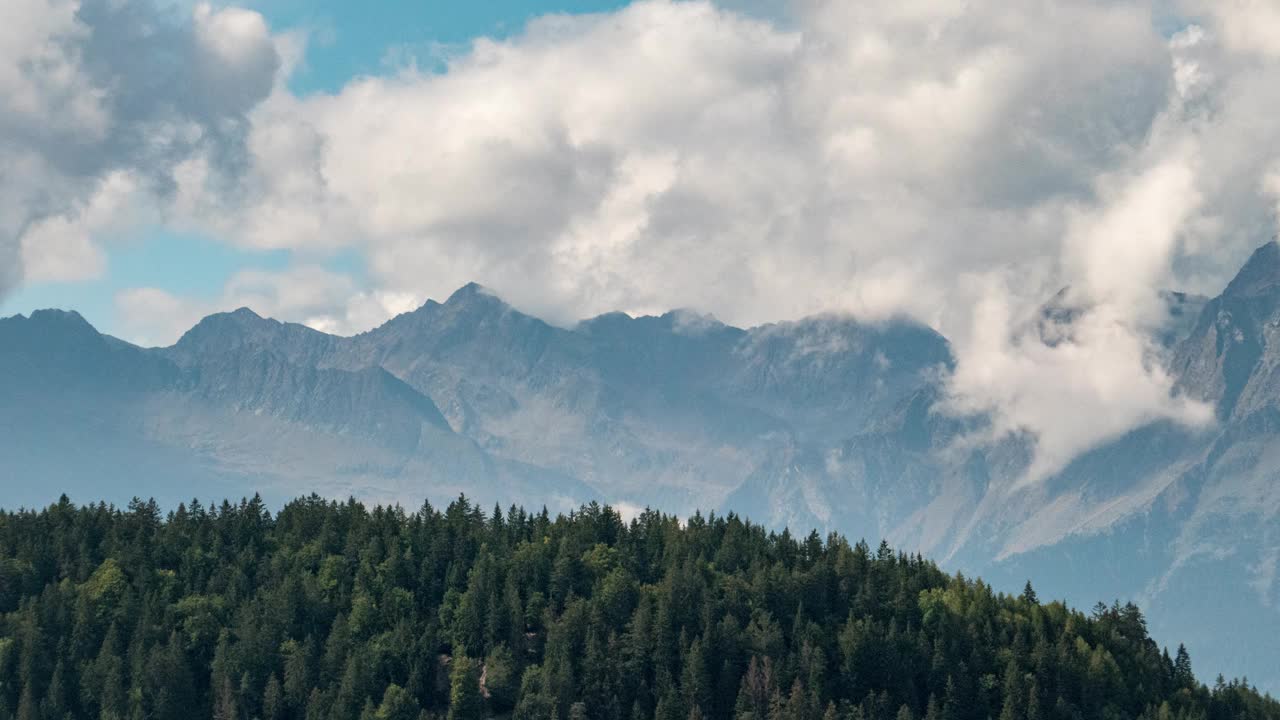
(1029, 594)
(1182, 675)
(465, 700)
(273, 706)
(397, 704)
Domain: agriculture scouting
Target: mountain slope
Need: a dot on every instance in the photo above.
(221, 412)
(672, 411)
(1186, 521)
(823, 422)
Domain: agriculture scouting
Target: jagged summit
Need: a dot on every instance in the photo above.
(615, 319)
(53, 315)
(469, 290)
(226, 328)
(469, 300)
(48, 328)
(1260, 275)
(60, 322)
(245, 313)
(472, 294)
(240, 318)
(244, 330)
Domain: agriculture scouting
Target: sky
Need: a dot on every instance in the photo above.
(954, 162)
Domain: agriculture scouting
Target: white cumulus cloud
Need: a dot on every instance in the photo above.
(953, 162)
(100, 101)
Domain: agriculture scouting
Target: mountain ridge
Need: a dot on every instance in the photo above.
(820, 422)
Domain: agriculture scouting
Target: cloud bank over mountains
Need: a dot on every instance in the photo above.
(100, 104)
(957, 163)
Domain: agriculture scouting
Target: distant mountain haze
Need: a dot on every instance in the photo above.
(825, 422)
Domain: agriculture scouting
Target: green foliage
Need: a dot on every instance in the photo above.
(465, 700)
(329, 611)
(501, 680)
(397, 704)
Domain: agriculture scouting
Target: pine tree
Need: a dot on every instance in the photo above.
(224, 706)
(758, 687)
(397, 704)
(1034, 709)
(933, 711)
(297, 671)
(55, 702)
(465, 701)
(501, 678)
(1182, 675)
(1013, 701)
(273, 699)
(952, 701)
(668, 708)
(696, 683)
(317, 706)
(1029, 595)
(28, 708)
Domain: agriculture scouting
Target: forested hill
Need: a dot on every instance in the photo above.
(333, 610)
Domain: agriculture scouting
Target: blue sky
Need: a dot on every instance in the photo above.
(354, 38)
(179, 263)
(345, 40)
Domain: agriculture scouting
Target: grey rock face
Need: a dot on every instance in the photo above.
(1231, 357)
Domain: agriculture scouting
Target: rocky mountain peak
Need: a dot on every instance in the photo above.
(244, 329)
(474, 295)
(49, 329)
(467, 304)
(63, 318)
(1230, 357)
(226, 325)
(244, 314)
(1260, 275)
(224, 331)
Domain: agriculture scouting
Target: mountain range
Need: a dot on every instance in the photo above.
(823, 423)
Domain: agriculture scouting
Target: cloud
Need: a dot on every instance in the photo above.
(153, 317)
(327, 301)
(1102, 376)
(100, 100)
(957, 163)
(66, 247)
(1244, 26)
(705, 159)
(876, 158)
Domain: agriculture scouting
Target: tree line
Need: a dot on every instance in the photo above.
(332, 610)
